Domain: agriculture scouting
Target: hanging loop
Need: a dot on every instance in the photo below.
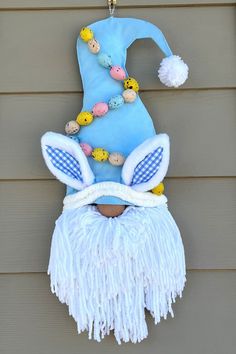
(111, 6)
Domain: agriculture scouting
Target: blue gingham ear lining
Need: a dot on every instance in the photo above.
(147, 168)
(64, 162)
(147, 165)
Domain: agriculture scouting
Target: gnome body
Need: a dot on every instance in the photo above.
(109, 270)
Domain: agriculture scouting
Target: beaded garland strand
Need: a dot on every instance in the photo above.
(131, 88)
(101, 108)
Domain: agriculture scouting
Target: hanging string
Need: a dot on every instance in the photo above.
(111, 6)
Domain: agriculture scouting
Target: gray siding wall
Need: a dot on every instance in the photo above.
(40, 90)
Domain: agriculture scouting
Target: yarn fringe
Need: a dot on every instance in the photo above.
(109, 270)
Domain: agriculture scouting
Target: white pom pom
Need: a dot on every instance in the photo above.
(173, 71)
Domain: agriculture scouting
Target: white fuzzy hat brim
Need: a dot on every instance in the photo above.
(126, 193)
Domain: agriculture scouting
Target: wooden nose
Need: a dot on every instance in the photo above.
(110, 210)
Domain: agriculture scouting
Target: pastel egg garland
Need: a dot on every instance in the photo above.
(98, 154)
(86, 34)
(129, 95)
(116, 102)
(116, 72)
(101, 155)
(93, 46)
(100, 109)
(159, 189)
(72, 127)
(105, 60)
(84, 118)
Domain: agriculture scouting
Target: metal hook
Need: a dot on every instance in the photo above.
(111, 6)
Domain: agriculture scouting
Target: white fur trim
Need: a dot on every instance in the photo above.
(173, 71)
(62, 142)
(95, 191)
(139, 154)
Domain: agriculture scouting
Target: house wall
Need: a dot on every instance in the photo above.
(40, 90)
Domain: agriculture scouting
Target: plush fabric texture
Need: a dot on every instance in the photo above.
(64, 162)
(125, 128)
(144, 168)
(173, 72)
(109, 270)
(148, 167)
(101, 190)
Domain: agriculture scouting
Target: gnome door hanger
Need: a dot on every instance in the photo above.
(110, 270)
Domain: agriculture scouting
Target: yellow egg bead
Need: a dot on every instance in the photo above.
(86, 34)
(159, 189)
(131, 83)
(84, 118)
(99, 154)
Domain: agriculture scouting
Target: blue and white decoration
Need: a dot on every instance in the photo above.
(148, 167)
(64, 162)
(109, 271)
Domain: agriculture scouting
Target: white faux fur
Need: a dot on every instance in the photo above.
(97, 190)
(109, 270)
(173, 71)
(138, 154)
(73, 148)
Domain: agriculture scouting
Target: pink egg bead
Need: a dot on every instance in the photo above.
(100, 109)
(117, 73)
(87, 149)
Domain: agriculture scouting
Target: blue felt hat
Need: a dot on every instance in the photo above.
(128, 129)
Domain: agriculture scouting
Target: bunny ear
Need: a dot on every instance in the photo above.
(66, 160)
(147, 165)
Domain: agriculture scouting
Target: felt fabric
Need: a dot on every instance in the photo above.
(121, 130)
(144, 168)
(109, 270)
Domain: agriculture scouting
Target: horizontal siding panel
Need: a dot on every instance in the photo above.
(204, 209)
(201, 126)
(45, 4)
(40, 54)
(33, 320)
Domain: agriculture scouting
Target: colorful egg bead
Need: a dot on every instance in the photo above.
(129, 95)
(87, 149)
(116, 102)
(99, 154)
(117, 72)
(159, 189)
(86, 34)
(116, 159)
(84, 118)
(100, 109)
(72, 127)
(75, 138)
(131, 83)
(93, 46)
(104, 60)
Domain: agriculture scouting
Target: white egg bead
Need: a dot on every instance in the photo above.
(72, 127)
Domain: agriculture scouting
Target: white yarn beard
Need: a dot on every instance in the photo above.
(109, 270)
